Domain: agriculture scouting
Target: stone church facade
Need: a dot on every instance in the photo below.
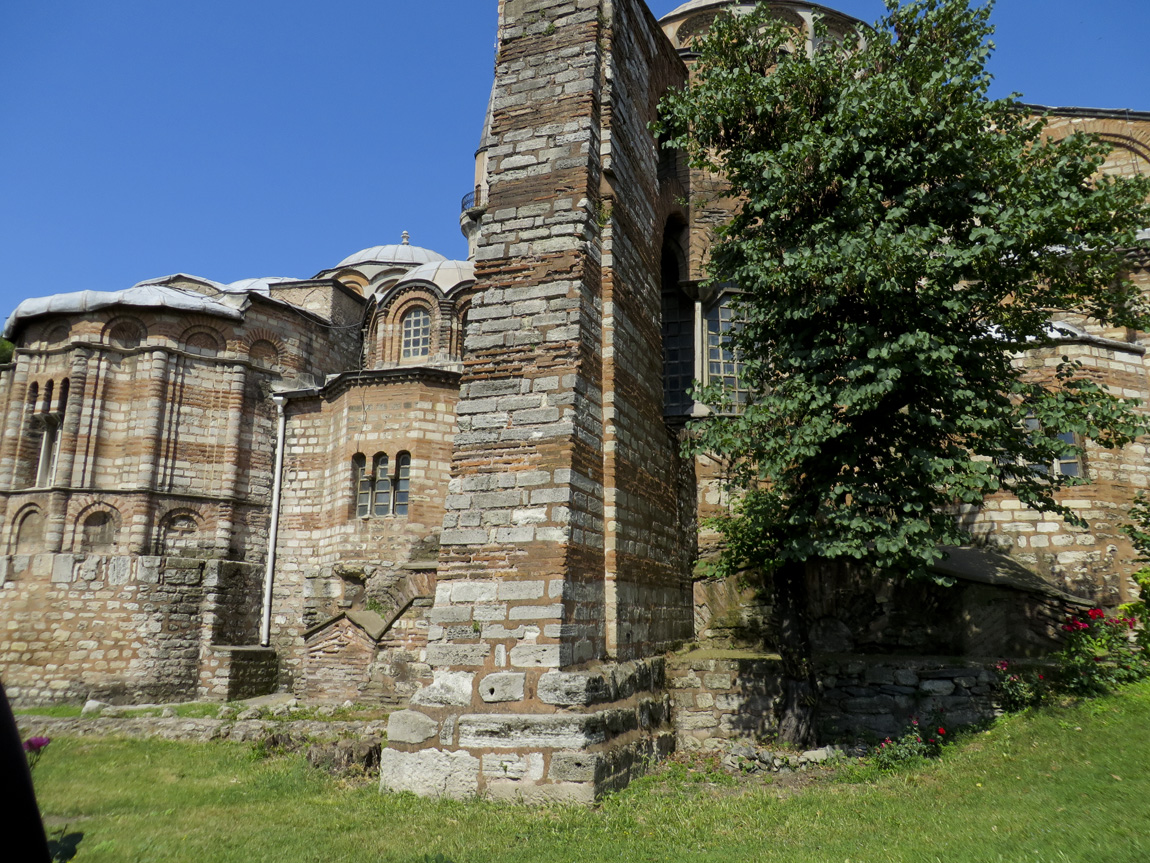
(456, 487)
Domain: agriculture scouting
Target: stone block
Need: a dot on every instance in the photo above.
(535, 655)
(429, 773)
(457, 654)
(410, 726)
(575, 767)
(937, 687)
(508, 766)
(496, 731)
(572, 689)
(502, 686)
(62, 569)
(448, 689)
(568, 793)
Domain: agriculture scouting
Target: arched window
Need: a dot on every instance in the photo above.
(179, 533)
(382, 486)
(402, 483)
(30, 533)
(362, 485)
(98, 532)
(678, 339)
(126, 334)
(416, 327)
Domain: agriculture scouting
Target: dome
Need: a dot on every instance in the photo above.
(694, 5)
(445, 275)
(403, 253)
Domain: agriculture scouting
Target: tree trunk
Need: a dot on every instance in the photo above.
(796, 710)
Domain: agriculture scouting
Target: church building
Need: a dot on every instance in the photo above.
(456, 488)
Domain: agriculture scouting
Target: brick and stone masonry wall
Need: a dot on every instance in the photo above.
(720, 700)
(329, 559)
(112, 627)
(526, 576)
(175, 418)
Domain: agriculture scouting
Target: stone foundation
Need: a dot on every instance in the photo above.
(586, 733)
(723, 698)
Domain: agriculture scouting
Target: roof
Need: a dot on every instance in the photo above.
(401, 253)
(698, 5)
(144, 295)
(445, 275)
(987, 566)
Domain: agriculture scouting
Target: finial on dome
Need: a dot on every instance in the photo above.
(406, 238)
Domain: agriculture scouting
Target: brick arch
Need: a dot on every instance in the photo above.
(23, 542)
(125, 332)
(182, 531)
(203, 340)
(86, 534)
(1130, 136)
(256, 335)
(389, 317)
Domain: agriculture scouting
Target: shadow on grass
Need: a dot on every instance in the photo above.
(62, 846)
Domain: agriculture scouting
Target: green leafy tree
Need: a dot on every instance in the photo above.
(901, 238)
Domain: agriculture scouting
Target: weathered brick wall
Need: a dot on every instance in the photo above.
(329, 558)
(168, 416)
(113, 627)
(1093, 562)
(721, 698)
(650, 507)
(543, 565)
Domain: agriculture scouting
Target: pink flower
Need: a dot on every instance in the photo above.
(1096, 613)
(942, 731)
(36, 744)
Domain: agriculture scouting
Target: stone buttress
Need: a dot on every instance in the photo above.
(562, 575)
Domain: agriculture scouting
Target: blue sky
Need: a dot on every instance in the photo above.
(238, 138)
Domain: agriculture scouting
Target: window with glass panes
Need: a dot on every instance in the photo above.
(416, 333)
(382, 490)
(402, 483)
(722, 366)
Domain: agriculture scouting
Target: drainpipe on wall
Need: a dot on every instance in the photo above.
(273, 529)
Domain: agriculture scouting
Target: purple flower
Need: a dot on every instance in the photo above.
(36, 744)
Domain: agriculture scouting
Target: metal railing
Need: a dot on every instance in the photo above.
(475, 200)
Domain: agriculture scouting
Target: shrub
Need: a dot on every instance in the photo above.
(1018, 688)
(1100, 653)
(917, 743)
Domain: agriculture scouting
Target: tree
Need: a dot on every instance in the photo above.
(901, 238)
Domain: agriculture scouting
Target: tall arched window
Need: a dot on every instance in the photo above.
(30, 533)
(402, 483)
(416, 326)
(382, 485)
(378, 492)
(362, 484)
(98, 532)
(678, 339)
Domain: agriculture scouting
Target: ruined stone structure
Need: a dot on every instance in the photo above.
(457, 487)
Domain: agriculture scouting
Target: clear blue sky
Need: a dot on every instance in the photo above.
(238, 138)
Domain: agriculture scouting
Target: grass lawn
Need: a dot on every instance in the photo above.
(1063, 784)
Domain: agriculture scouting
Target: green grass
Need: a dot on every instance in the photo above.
(1064, 784)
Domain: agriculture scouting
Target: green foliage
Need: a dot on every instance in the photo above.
(6, 348)
(918, 743)
(1099, 655)
(901, 239)
(1020, 688)
(1139, 532)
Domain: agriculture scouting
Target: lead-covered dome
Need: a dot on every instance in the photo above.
(445, 275)
(403, 254)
